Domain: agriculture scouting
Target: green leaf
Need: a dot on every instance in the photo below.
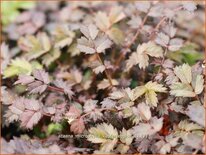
(36, 65)
(187, 54)
(149, 89)
(139, 91)
(17, 67)
(21, 66)
(54, 128)
(9, 9)
(38, 132)
(151, 98)
(133, 84)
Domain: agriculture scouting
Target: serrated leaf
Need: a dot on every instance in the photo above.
(36, 87)
(151, 98)
(41, 75)
(73, 113)
(162, 39)
(103, 133)
(18, 106)
(65, 86)
(31, 114)
(85, 46)
(108, 145)
(99, 69)
(90, 31)
(181, 90)
(184, 73)
(54, 128)
(185, 127)
(35, 46)
(197, 114)
(30, 118)
(144, 111)
(62, 36)
(104, 21)
(149, 90)
(89, 46)
(102, 43)
(77, 126)
(199, 84)
(133, 60)
(51, 56)
(142, 54)
(117, 94)
(148, 129)
(17, 67)
(155, 87)
(90, 107)
(126, 136)
(24, 79)
(107, 103)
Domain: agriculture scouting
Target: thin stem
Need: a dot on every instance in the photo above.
(162, 62)
(106, 71)
(52, 88)
(138, 31)
(159, 24)
(132, 41)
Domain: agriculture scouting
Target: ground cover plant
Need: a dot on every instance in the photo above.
(102, 77)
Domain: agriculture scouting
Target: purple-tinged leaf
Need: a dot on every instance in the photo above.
(77, 126)
(37, 87)
(30, 118)
(24, 79)
(42, 76)
(65, 86)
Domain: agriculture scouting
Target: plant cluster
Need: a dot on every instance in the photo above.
(103, 77)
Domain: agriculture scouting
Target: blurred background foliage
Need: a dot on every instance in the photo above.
(10, 9)
(190, 53)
